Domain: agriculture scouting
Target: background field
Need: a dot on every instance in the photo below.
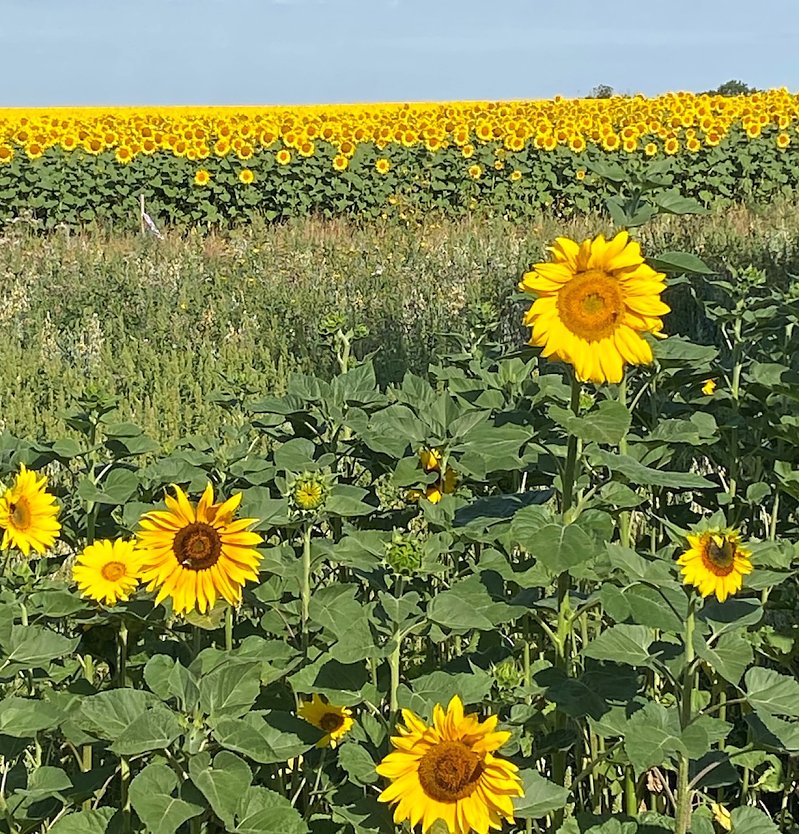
(163, 324)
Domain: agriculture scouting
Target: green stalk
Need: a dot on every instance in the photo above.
(394, 669)
(124, 776)
(305, 588)
(122, 653)
(684, 794)
(630, 797)
(229, 628)
(624, 517)
(735, 389)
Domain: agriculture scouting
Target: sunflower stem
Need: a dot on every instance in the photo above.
(684, 792)
(229, 628)
(124, 777)
(624, 517)
(394, 669)
(305, 588)
(122, 653)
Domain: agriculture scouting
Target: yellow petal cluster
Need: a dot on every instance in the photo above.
(671, 123)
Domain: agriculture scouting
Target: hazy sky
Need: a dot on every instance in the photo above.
(60, 52)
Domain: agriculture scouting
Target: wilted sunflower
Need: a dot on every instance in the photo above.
(594, 301)
(28, 514)
(107, 571)
(334, 721)
(715, 563)
(196, 555)
(448, 771)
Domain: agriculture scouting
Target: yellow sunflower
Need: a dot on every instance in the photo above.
(202, 177)
(448, 771)
(382, 166)
(107, 571)
(246, 176)
(334, 721)
(709, 388)
(594, 301)
(196, 555)
(28, 514)
(715, 563)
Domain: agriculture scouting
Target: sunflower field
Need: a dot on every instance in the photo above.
(222, 165)
(531, 587)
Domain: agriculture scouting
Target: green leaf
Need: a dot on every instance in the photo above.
(24, 717)
(230, 689)
(559, 547)
(541, 797)
(467, 605)
(84, 822)
(749, 820)
(154, 729)
(642, 475)
(439, 687)
(358, 763)
(151, 795)
(770, 692)
(680, 263)
(652, 736)
(108, 714)
(346, 500)
(34, 646)
(623, 644)
(277, 738)
(221, 782)
(608, 423)
(729, 656)
(262, 811)
(118, 487)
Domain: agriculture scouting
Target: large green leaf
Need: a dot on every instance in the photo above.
(729, 656)
(770, 692)
(608, 423)
(469, 605)
(262, 811)
(541, 797)
(749, 820)
(221, 782)
(109, 714)
(277, 737)
(622, 643)
(34, 647)
(230, 689)
(358, 764)
(84, 822)
(25, 717)
(151, 795)
(559, 547)
(652, 736)
(637, 473)
(154, 729)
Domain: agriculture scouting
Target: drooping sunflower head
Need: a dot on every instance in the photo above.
(431, 459)
(107, 571)
(333, 720)
(448, 771)
(196, 554)
(715, 563)
(595, 299)
(28, 514)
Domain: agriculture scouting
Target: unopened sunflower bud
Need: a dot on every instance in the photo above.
(507, 674)
(308, 492)
(404, 554)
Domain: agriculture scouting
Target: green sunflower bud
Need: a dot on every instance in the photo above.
(308, 491)
(507, 674)
(404, 554)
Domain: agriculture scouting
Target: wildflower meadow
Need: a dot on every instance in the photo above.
(471, 524)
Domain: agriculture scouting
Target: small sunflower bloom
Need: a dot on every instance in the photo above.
(475, 171)
(715, 563)
(107, 571)
(333, 720)
(709, 387)
(28, 514)
(595, 299)
(195, 555)
(340, 162)
(202, 177)
(283, 157)
(246, 176)
(383, 166)
(448, 771)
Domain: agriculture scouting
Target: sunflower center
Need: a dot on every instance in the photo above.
(197, 546)
(718, 555)
(20, 514)
(591, 304)
(330, 722)
(113, 571)
(450, 771)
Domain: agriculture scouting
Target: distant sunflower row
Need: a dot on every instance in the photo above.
(675, 121)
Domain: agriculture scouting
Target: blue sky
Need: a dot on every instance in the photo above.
(76, 52)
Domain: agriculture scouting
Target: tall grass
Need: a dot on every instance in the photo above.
(163, 324)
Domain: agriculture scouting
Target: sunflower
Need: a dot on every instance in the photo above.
(515, 176)
(475, 171)
(6, 153)
(709, 388)
(334, 721)
(202, 177)
(382, 165)
(431, 460)
(28, 514)
(448, 771)
(715, 563)
(595, 299)
(107, 571)
(783, 140)
(340, 162)
(196, 555)
(246, 176)
(283, 157)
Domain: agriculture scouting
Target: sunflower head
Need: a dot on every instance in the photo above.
(709, 388)
(404, 554)
(595, 299)
(195, 554)
(107, 571)
(202, 177)
(715, 563)
(308, 491)
(334, 721)
(28, 514)
(448, 771)
(246, 176)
